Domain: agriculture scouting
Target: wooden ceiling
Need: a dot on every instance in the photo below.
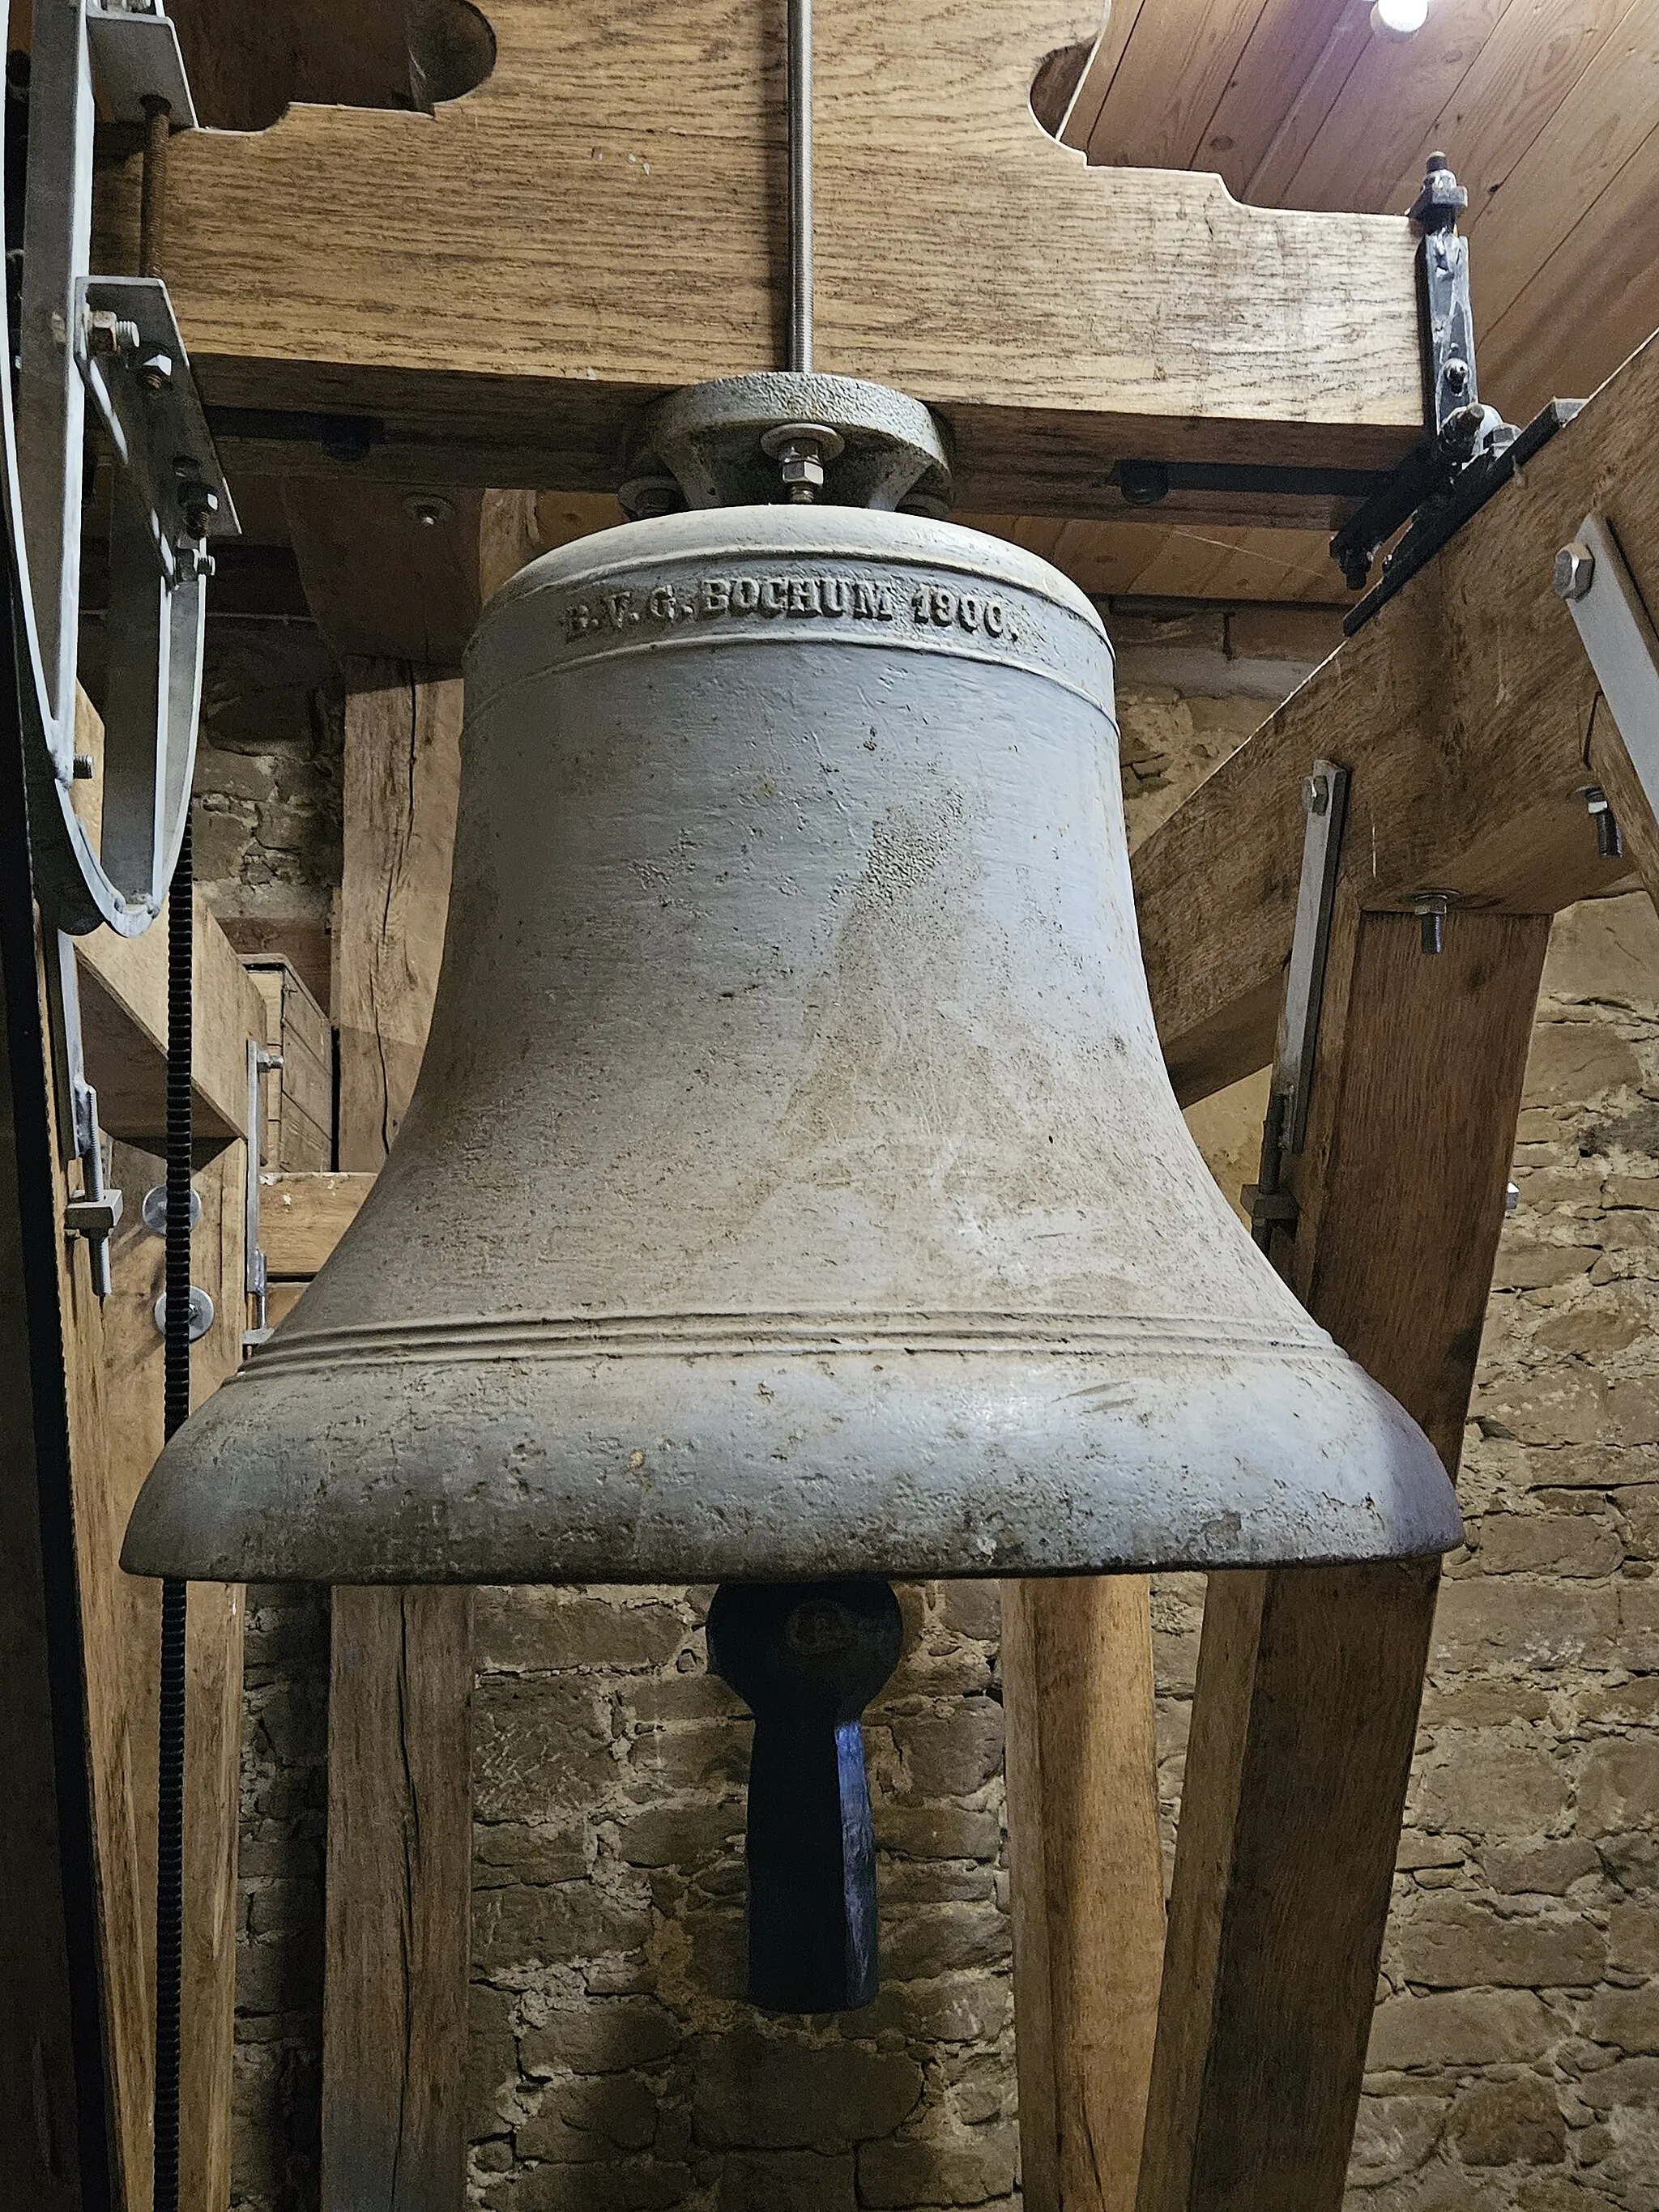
(1549, 112)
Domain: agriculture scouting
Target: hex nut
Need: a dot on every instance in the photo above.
(1575, 571)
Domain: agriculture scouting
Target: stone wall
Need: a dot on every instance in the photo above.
(1515, 2058)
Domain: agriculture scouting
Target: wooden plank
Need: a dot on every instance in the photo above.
(1269, 182)
(402, 774)
(1463, 709)
(1077, 1671)
(1171, 80)
(303, 1217)
(1376, 118)
(1537, 51)
(1305, 1709)
(123, 1018)
(489, 280)
(1286, 48)
(399, 1866)
(1082, 117)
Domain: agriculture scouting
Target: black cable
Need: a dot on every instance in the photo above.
(175, 1401)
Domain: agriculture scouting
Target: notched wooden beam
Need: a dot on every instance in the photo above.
(506, 282)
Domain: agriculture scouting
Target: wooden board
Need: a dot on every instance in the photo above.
(298, 1127)
(1077, 1672)
(402, 774)
(505, 282)
(1308, 1682)
(124, 1019)
(1464, 710)
(303, 1217)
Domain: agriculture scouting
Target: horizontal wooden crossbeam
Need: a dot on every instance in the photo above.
(1468, 716)
(504, 285)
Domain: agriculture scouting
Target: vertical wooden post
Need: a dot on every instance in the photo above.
(1087, 1871)
(398, 1936)
(399, 1874)
(1308, 1682)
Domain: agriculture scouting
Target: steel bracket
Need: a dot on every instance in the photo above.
(95, 1211)
(1469, 450)
(261, 1062)
(1325, 804)
(1592, 578)
(113, 343)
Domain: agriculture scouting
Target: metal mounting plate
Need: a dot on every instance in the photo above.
(1619, 638)
(136, 53)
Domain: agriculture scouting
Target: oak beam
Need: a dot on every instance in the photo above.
(398, 1933)
(505, 283)
(1087, 1867)
(1465, 709)
(1305, 1709)
(303, 1217)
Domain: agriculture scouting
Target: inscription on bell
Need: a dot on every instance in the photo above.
(851, 599)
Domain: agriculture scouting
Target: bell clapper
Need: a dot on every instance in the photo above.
(806, 1658)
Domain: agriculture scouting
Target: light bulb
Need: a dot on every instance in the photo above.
(1398, 18)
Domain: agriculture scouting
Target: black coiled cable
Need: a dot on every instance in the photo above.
(170, 1811)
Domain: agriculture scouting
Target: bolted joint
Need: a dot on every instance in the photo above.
(800, 449)
(83, 768)
(1609, 837)
(198, 503)
(1316, 793)
(1431, 909)
(1441, 200)
(1574, 572)
(156, 372)
(111, 336)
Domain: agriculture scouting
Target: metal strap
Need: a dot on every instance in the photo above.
(1325, 804)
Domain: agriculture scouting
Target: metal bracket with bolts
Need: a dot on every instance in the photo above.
(261, 1062)
(1325, 804)
(1592, 579)
(94, 1212)
(105, 354)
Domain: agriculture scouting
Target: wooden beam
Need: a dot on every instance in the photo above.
(1305, 1711)
(389, 574)
(123, 1021)
(1464, 710)
(402, 776)
(506, 282)
(398, 1910)
(399, 1866)
(303, 1217)
(1076, 1673)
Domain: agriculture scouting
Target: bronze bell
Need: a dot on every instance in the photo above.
(793, 1193)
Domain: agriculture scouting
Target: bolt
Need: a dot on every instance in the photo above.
(1456, 374)
(1431, 908)
(800, 449)
(1316, 793)
(1609, 837)
(110, 333)
(645, 497)
(199, 505)
(1575, 571)
(83, 768)
(428, 508)
(1511, 1196)
(156, 372)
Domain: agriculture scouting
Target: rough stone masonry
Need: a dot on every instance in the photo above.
(1515, 2060)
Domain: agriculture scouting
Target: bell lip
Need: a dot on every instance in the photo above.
(1024, 1469)
(852, 532)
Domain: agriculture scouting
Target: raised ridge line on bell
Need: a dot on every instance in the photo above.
(688, 1335)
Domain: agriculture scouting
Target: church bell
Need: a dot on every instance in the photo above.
(793, 1196)
(792, 1189)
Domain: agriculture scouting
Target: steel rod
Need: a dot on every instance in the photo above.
(800, 184)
